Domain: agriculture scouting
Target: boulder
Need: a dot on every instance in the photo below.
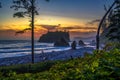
(81, 43)
(73, 45)
(61, 43)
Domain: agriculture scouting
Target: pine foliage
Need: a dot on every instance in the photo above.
(113, 33)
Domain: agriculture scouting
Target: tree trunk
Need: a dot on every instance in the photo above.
(32, 32)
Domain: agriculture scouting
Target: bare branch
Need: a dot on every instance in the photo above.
(22, 31)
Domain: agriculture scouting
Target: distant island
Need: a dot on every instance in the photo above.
(51, 37)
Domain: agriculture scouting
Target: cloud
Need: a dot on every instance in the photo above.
(7, 34)
(10, 34)
(75, 31)
(82, 34)
(8, 30)
(4, 27)
(93, 22)
(74, 27)
(49, 27)
(78, 27)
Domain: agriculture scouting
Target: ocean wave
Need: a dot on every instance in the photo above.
(20, 48)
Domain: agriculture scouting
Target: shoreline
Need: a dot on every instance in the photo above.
(55, 55)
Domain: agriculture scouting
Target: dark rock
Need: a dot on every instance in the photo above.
(73, 45)
(81, 43)
(93, 43)
(61, 42)
(52, 37)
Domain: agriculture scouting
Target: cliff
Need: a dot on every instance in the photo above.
(51, 37)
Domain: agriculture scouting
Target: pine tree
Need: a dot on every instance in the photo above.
(0, 5)
(113, 33)
(26, 8)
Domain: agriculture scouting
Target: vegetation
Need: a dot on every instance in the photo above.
(114, 26)
(26, 8)
(101, 65)
(0, 5)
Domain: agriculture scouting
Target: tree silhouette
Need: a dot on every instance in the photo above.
(26, 8)
(0, 5)
(101, 23)
(114, 27)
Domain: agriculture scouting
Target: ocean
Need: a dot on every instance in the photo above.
(13, 48)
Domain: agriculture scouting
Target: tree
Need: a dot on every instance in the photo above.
(113, 33)
(26, 8)
(101, 23)
(0, 5)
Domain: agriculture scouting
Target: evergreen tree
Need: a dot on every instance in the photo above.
(0, 5)
(113, 33)
(26, 8)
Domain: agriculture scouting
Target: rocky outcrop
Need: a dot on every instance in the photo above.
(52, 37)
(81, 43)
(61, 43)
(73, 45)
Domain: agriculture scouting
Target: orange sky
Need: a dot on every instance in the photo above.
(79, 17)
(45, 23)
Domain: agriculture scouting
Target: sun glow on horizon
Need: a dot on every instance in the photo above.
(20, 24)
(55, 20)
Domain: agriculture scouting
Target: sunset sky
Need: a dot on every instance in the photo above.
(79, 17)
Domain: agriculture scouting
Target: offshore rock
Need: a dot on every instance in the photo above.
(61, 43)
(52, 37)
(73, 45)
(81, 43)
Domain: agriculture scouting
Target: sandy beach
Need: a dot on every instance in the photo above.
(60, 55)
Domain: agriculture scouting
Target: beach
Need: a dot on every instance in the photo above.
(55, 55)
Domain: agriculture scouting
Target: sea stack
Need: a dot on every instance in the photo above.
(52, 37)
(61, 43)
(81, 43)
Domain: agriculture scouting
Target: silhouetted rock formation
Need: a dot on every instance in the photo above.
(52, 37)
(73, 45)
(81, 43)
(61, 43)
